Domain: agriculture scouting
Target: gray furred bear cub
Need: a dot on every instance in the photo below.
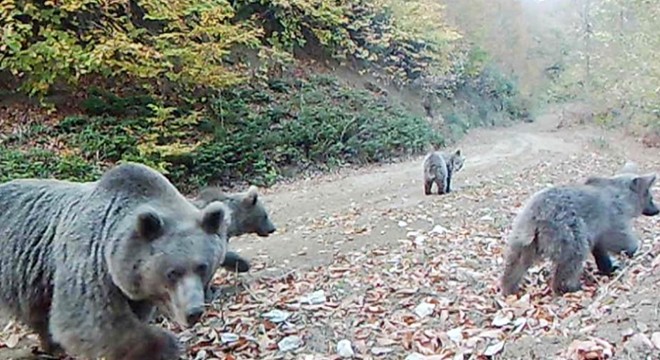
(85, 264)
(566, 223)
(439, 168)
(248, 216)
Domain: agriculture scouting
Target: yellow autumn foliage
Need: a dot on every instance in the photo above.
(185, 45)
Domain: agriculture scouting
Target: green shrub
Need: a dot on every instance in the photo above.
(38, 163)
(103, 102)
(325, 125)
(248, 133)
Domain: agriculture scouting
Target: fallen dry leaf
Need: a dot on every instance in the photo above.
(13, 340)
(590, 349)
(493, 349)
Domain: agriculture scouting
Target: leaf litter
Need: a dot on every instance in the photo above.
(434, 296)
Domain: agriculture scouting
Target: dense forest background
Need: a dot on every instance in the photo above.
(229, 92)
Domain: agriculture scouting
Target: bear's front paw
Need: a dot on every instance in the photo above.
(242, 265)
(49, 347)
(566, 288)
(171, 348)
(616, 265)
(235, 263)
(159, 344)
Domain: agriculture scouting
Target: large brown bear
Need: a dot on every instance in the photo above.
(85, 264)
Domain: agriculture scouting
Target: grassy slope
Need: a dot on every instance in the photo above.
(249, 134)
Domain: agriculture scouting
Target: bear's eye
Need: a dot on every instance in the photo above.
(201, 269)
(174, 274)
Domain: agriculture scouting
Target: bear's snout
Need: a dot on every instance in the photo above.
(193, 315)
(631, 252)
(265, 232)
(651, 210)
(187, 300)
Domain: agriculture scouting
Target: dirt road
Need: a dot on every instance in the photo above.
(371, 192)
(357, 211)
(371, 212)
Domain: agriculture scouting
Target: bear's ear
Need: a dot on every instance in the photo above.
(598, 181)
(149, 225)
(591, 180)
(214, 215)
(251, 196)
(642, 183)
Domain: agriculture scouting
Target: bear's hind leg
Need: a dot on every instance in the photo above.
(46, 342)
(441, 186)
(518, 260)
(567, 270)
(428, 184)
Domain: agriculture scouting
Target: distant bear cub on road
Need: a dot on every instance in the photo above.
(439, 168)
(565, 223)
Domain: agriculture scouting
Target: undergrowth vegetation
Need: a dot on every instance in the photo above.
(247, 132)
(215, 92)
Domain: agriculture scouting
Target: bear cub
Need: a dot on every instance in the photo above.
(439, 169)
(566, 223)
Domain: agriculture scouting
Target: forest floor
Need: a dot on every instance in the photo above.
(363, 257)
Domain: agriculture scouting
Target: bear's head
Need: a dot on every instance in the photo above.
(630, 196)
(456, 161)
(252, 216)
(166, 254)
(249, 215)
(632, 191)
